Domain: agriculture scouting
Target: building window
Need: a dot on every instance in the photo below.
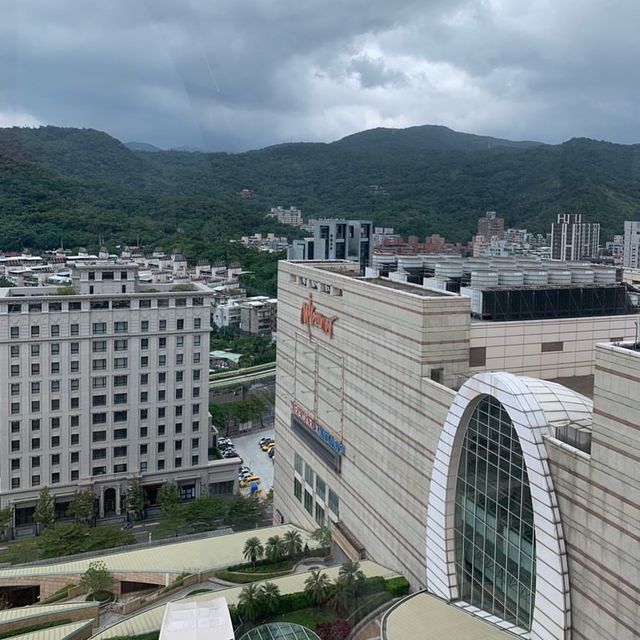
(98, 471)
(321, 489)
(177, 463)
(100, 364)
(119, 416)
(15, 426)
(99, 327)
(120, 363)
(99, 382)
(15, 332)
(162, 325)
(549, 347)
(15, 350)
(197, 323)
(35, 480)
(55, 423)
(35, 406)
(119, 398)
(162, 361)
(119, 452)
(35, 462)
(99, 346)
(75, 384)
(309, 475)
(99, 454)
(55, 349)
(179, 323)
(35, 388)
(35, 331)
(144, 432)
(120, 381)
(99, 418)
(75, 348)
(99, 401)
(334, 503)
(15, 446)
(55, 367)
(144, 344)
(15, 408)
(35, 424)
(143, 449)
(144, 361)
(74, 421)
(55, 477)
(179, 359)
(15, 370)
(120, 345)
(162, 343)
(55, 328)
(320, 518)
(55, 441)
(75, 366)
(494, 533)
(119, 434)
(145, 304)
(160, 465)
(75, 438)
(15, 483)
(180, 342)
(75, 403)
(297, 489)
(195, 460)
(144, 325)
(297, 463)
(308, 502)
(75, 474)
(35, 368)
(75, 328)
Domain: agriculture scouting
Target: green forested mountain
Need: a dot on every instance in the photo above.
(74, 184)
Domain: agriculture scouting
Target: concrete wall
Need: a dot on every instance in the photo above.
(370, 387)
(599, 499)
(517, 346)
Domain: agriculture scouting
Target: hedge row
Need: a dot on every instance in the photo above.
(60, 594)
(245, 578)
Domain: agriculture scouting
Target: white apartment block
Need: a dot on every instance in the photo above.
(292, 215)
(631, 258)
(103, 386)
(572, 239)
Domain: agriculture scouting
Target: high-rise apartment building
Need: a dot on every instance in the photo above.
(104, 383)
(336, 239)
(631, 259)
(491, 226)
(572, 239)
(292, 215)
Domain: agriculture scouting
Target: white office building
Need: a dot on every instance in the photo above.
(102, 386)
(631, 258)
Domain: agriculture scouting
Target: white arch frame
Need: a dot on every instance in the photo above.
(551, 614)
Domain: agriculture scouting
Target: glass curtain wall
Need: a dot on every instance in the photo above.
(494, 533)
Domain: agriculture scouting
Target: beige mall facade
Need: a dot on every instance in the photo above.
(514, 497)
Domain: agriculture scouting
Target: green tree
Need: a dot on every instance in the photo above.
(45, 512)
(97, 578)
(275, 549)
(253, 550)
(245, 513)
(249, 601)
(293, 543)
(168, 496)
(317, 588)
(83, 506)
(6, 516)
(171, 522)
(351, 574)
(269, 597)
(322, 536)
(342, 597)
(136, 500)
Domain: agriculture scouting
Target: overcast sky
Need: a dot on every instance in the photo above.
(240, 74)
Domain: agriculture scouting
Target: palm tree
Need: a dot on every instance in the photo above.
(269, 598)
(351, 573)
(293, 542)
(253, 550)
(342, 597)
(317, 588)
(274, 549)
(249, 601)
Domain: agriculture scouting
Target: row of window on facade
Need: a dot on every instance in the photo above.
(101, 346)
(122, 467)
(98, 328)
(77, 305)
(101, 364)
(310, 489)
(101, 382)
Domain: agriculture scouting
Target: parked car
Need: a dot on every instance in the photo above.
(268, 445)
(245, 482)
(264, 441)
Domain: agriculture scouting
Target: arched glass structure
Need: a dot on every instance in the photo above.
(494, 532)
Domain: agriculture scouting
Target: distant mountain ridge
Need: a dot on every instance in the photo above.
(76, 183)
(142, 146)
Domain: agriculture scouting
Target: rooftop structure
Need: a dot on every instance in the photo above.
(197, 620)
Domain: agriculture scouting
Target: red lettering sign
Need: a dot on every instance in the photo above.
(310, 316)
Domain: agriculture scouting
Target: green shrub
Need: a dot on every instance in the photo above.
(292, 602)
(397, 586)
(100, 596)
(35, 627)
(248, 567)
(375, 584)
(245, 578)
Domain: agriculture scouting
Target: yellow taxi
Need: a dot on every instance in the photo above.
(248, 480)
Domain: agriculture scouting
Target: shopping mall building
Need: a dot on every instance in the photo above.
(496, 489)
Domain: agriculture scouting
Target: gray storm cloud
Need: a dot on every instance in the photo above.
(229, 75)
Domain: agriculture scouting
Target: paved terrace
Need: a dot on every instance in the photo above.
(74, 631)
(425, 617)
(151, 620)
(154, 565)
